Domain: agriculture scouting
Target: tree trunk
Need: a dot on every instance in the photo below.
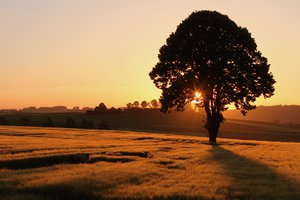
(212, 136)
(213, 125)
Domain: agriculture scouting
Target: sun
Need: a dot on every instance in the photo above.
(197, 95)
(197, 101)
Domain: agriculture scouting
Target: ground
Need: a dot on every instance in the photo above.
(56, 163)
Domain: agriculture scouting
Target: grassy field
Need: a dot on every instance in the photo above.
(182, 123)
(54, 163)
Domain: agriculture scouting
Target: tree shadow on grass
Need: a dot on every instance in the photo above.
(253, 180)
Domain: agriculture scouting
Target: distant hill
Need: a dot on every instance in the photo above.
(282, 114)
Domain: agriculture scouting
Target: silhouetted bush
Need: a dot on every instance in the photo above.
(104, 125)
(114, 110)
(3, 121)
(49, 123)
(70, 123)
(102, 109)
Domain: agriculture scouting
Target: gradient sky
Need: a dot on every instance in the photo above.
(81, 53)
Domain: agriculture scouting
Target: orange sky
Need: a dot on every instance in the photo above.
(80, 53)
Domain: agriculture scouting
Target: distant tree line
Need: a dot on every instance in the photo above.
(54, 109)
(130, 107)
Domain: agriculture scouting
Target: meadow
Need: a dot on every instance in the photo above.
(55, 163)
(179, 123)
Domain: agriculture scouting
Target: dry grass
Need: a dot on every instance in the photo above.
(41, 163)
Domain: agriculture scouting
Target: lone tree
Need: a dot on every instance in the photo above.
(211, 62)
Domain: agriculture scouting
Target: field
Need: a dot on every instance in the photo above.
(180, 123)
(57, 163)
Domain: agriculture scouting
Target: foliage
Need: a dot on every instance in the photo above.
(136, 104)
(144, 104)
(211, 54)
(101, 108)
(154, 103)
(129, 105)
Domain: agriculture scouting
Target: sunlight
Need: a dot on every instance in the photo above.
(196, 102)
(197, 94)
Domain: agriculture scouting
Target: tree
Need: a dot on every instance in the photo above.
(129, 105)
(144, 104)
(212, 62)
(136, 104)
(154, 103)
(101, 108)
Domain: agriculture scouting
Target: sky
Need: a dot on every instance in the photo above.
(81, 53)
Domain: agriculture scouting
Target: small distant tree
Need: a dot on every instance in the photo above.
(214, 62)
(144, 104)
(154, 103)
(129, 105)
(101, 108)
(136, 104)
(113, 110)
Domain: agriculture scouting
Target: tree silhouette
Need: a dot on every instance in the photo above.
(101, 108)
(154, 103)
(212, 62)
(144, 104)
(136, 104)
(129, 105)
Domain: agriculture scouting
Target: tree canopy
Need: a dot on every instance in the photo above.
(214, 62)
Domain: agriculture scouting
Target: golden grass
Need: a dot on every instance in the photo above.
(44, 163)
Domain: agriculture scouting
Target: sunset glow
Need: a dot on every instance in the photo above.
(197, 95)
(77, 53)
